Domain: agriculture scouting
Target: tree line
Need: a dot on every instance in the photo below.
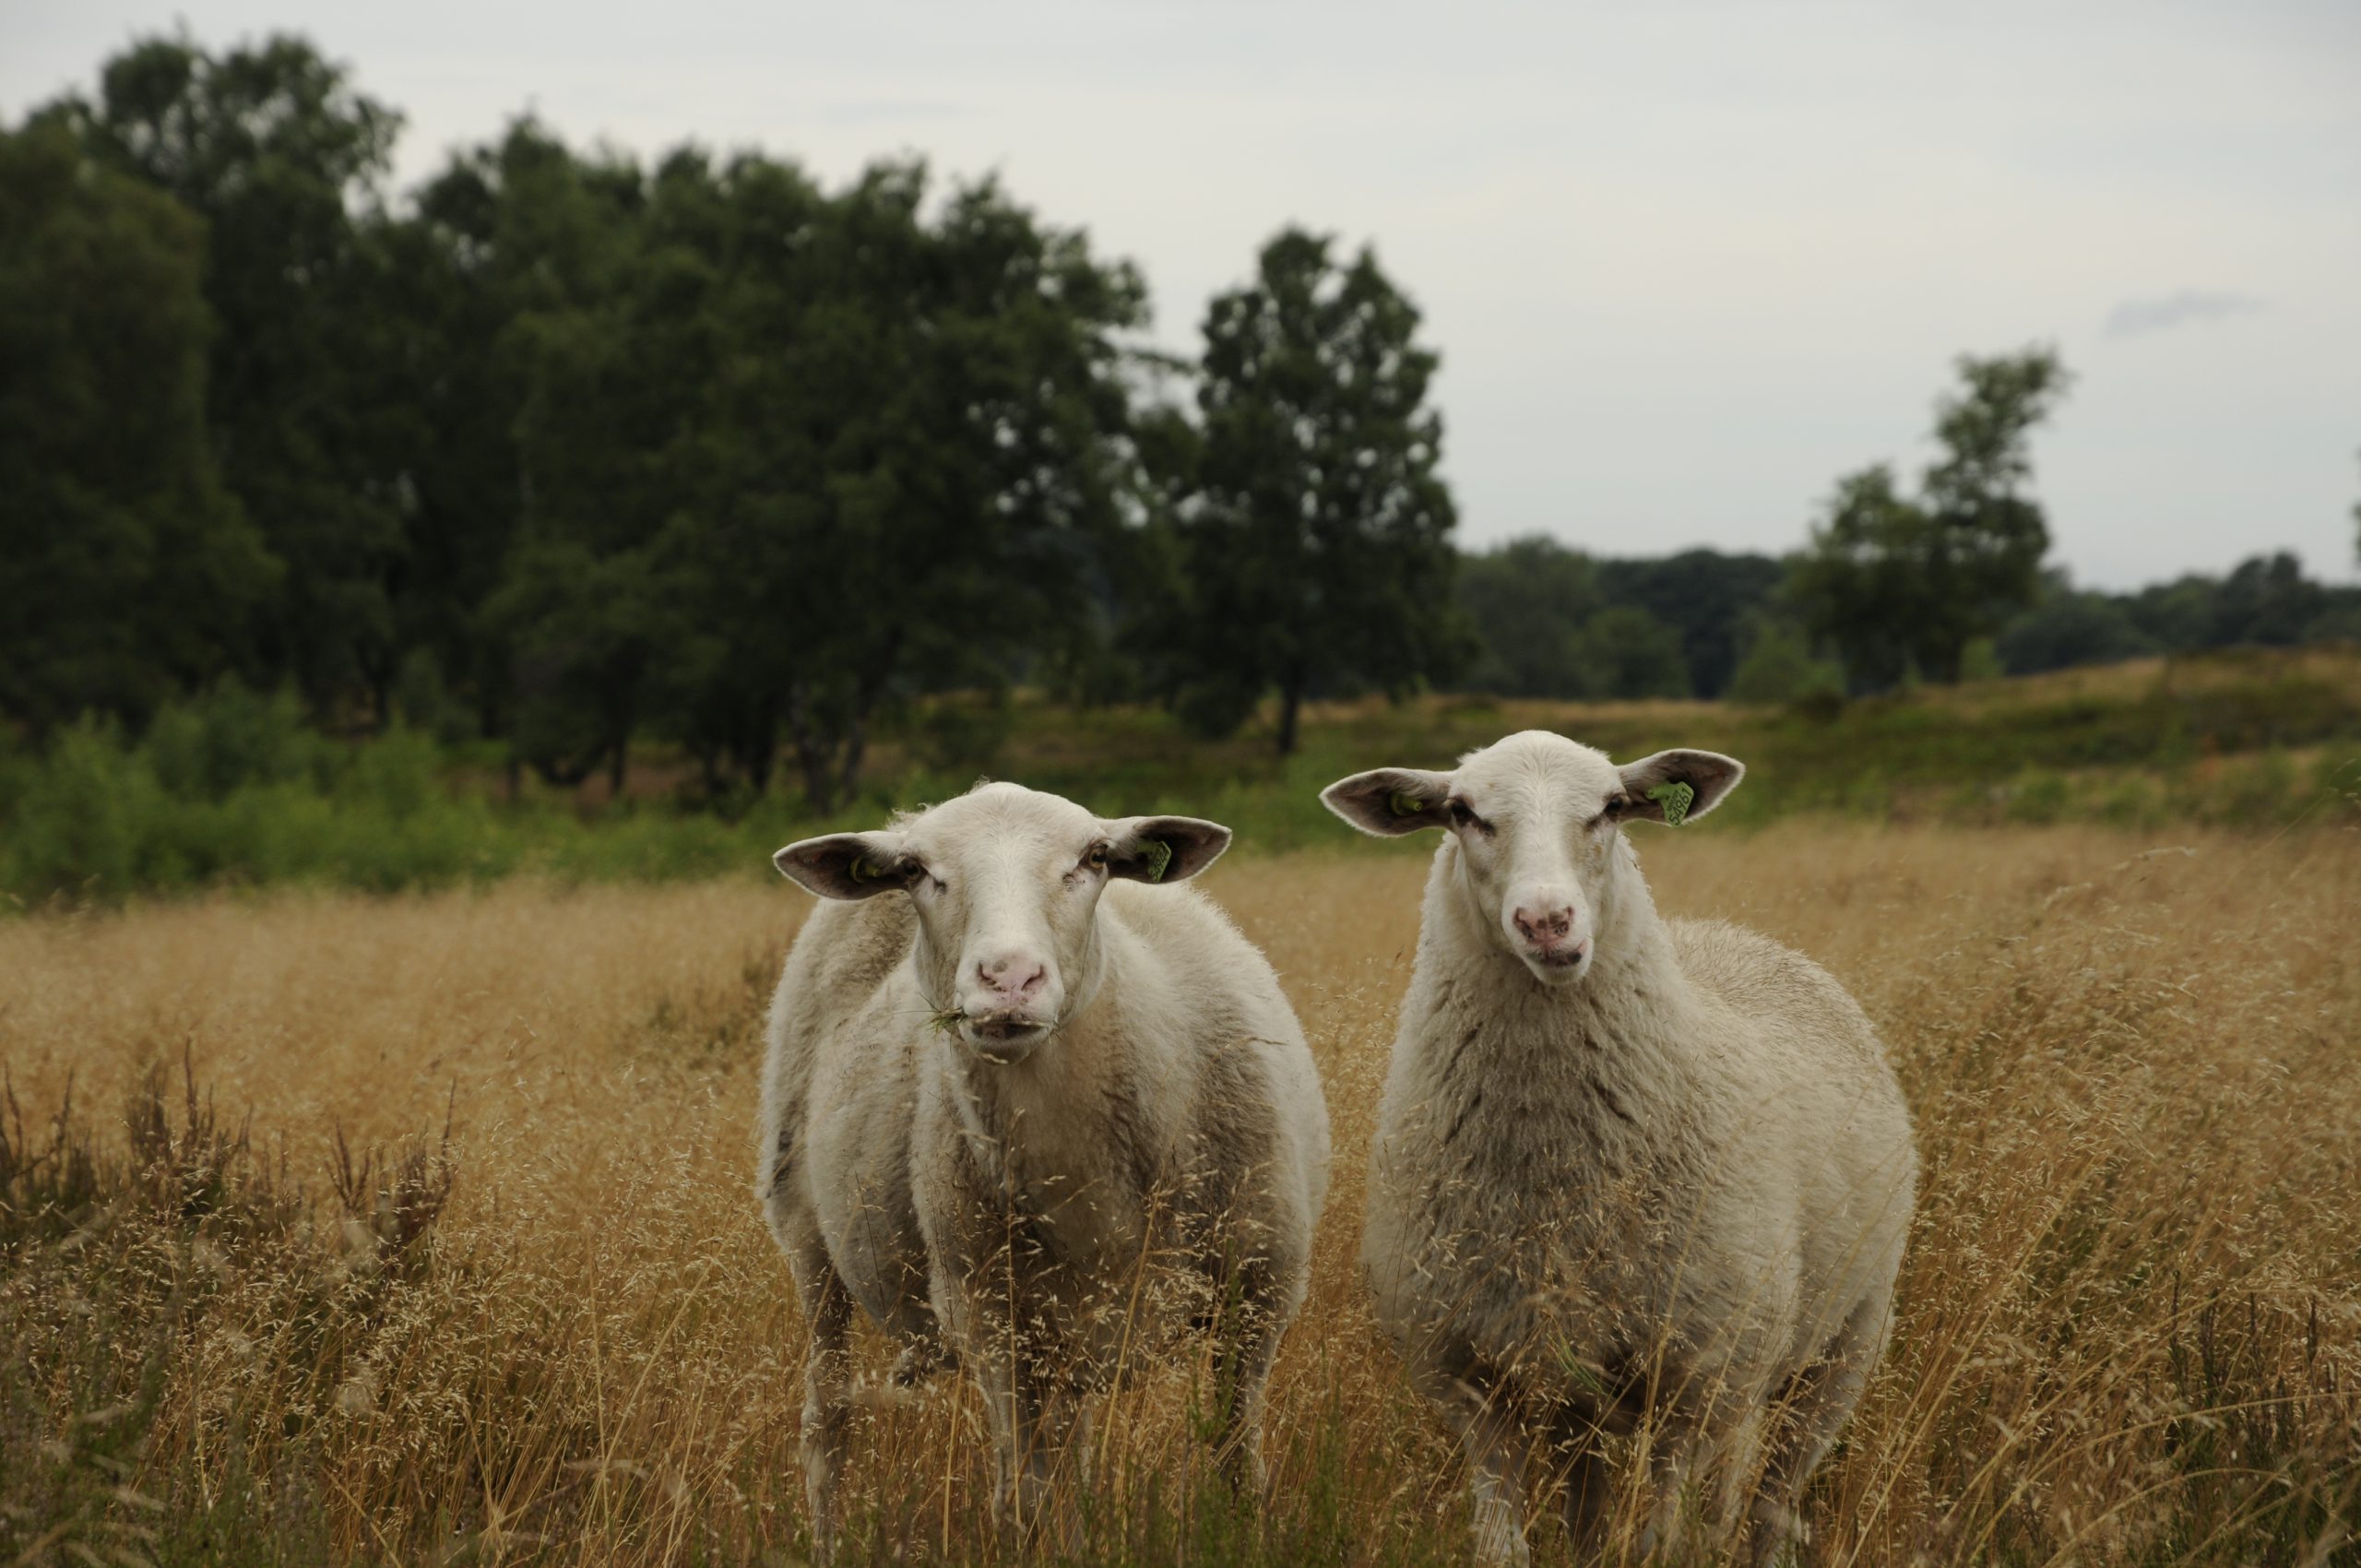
(567, 450)
(1890, 586)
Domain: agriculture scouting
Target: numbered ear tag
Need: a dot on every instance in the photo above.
(1158, 855)
(1676, 799)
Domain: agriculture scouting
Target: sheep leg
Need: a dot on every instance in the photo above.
(1497, 1447)
(1031, 1424)
(827, 1381)
(1009, 1409)
(1819, 1402)
(1710, 1448)
(1680, 1446)
(1247, 1344)
(1587, 1503)
(1672, 1457)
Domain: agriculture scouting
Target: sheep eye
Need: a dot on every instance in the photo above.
(1464, 816)
(1097, 858)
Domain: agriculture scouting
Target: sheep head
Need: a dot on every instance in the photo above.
(1537, 819)
(1005, 882)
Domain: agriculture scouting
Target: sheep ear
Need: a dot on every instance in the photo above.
(1163, 848)
(1390, 802)
(1673, 787)
(848, 865)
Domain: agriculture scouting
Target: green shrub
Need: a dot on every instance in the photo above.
(2038, 795)
(231, 788)
(1779, 669)
(89, 818)
(207, 746)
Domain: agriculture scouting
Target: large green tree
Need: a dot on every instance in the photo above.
(804, 456)
(613, 369)
(127, 570)
(274, 150)
(1315, 549)
(502, 239)
(1896, 583)
(981, 456)
(1706, 597)
(1551, 621)
(1528, 601)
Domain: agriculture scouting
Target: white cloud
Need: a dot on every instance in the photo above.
(2175, 309)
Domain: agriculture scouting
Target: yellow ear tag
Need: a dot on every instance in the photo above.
(1158, 855)
(1402, 804)
(863, 872)
(1676, 798)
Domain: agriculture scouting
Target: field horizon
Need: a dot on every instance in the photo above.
(235, 791)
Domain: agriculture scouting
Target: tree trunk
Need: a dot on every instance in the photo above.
(1291, 704)
(762, 755)
(810, 754)
(379, 678)
(865, 693)
(856, 742)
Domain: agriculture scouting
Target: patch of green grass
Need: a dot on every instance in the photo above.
(233, 791)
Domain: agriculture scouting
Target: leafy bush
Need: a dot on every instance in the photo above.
(231, 790)
(1779, 668)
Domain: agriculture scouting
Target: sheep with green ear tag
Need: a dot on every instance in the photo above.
(1638, 1186)
(1031, 1106)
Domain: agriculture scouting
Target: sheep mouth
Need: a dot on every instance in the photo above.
(1003, 1037)
(1558, 964)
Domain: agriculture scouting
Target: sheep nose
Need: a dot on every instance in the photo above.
(1013, 976)
(1542, 926)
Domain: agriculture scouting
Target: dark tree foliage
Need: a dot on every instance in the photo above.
(1707, 598)
(574, 452)
(1315, 548)
(609, 383)
(2267, 602)
(127, 571)
(2068, 628)
(2176, 616)
(801, 454)
(961, 500)
(1898, 584)
(1551, 621)
(1529, 603)
(502, 236)
(272, 148)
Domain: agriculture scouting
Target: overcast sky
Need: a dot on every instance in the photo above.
(1685, 263)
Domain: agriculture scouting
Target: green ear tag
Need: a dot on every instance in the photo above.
(1403, 805)
(1158, 855)
(862, 870)
(1676, 798)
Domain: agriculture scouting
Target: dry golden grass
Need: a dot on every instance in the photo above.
(2130, 1328)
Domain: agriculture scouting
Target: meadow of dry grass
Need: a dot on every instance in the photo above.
(2131, 1320)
